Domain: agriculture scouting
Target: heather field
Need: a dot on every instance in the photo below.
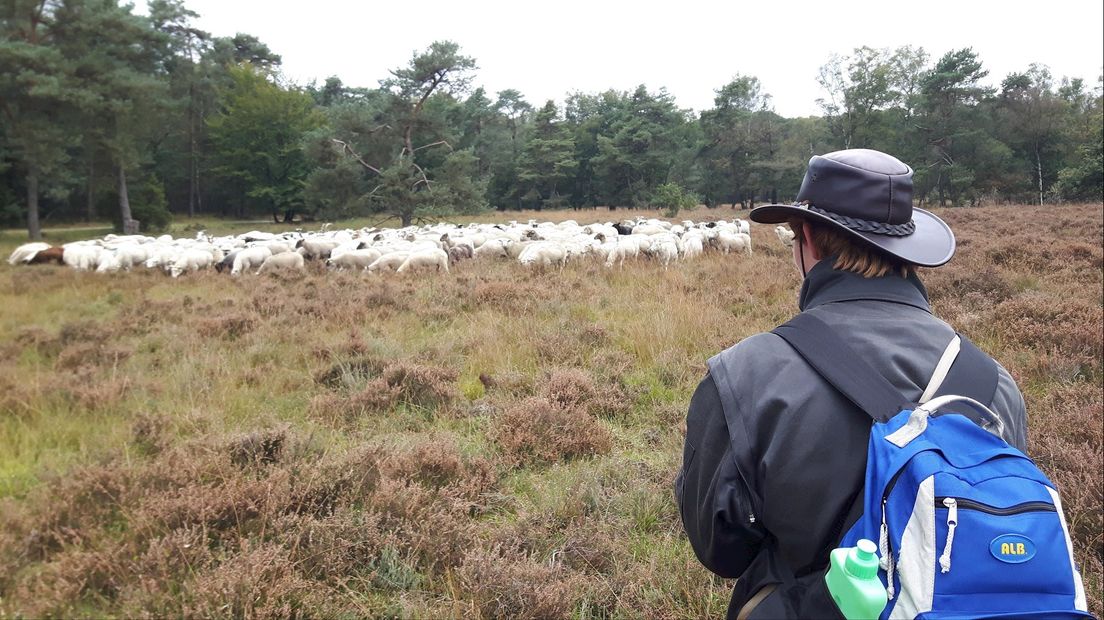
(489, 443)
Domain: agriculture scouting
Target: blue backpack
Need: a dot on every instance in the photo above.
(967, 526)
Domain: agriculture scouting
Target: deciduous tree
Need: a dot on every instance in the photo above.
(258, 141)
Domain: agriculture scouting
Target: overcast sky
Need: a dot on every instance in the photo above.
(691, 47)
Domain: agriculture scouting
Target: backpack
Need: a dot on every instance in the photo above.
(966, 525)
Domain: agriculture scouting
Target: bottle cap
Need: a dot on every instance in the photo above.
(862, 559)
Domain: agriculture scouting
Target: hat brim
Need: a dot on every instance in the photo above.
(930, 245)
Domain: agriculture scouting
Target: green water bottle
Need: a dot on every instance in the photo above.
(853, 581)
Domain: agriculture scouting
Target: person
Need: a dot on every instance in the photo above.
(774, 457)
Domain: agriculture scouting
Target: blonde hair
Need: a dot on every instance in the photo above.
(850, 255)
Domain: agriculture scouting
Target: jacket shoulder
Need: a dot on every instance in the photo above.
(764, 343)
(754, 355)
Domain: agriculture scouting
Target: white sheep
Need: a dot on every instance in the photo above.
(345, 246)
(648, 229)
(278, 246)
(666, 251)
(692, 246)
(191, 260)
(492, 248)
(26, 252)
(354, 259)
(318, 248)
(785, 235)
(109, 263)
(256, 235)
(625, 247)
(162, 257)
(283, 260)
(543, 254)
(727, 241)
(515, 248)
(250, 258)
(389, 261)
(423, 259)
(129, 255)
(82, 256)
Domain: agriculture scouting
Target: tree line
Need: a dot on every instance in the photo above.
(109, 113)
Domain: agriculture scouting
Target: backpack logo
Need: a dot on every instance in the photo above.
(1012, 548)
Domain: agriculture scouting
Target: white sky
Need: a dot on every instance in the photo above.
(691, 47)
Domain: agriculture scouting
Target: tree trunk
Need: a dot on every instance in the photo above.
(193, 182)
(1039, 174)
(408, 140)
(90, 205)
(124, 200)
(406, 218)
(34, 228)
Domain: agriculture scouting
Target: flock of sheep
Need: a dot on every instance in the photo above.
(435, 247)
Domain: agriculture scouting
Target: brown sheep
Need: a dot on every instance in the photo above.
(53, 253)
(458, 253)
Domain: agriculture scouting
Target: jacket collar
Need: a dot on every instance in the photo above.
(824, 284)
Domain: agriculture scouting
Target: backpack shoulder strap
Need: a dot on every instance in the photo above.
(841, 366)
(973, 374)
(950, 354)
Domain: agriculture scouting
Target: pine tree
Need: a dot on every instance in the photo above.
(547, 163)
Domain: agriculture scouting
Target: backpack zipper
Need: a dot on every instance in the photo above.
(969, 504)
(952, 505)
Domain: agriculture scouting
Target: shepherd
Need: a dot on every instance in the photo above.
(774, 457)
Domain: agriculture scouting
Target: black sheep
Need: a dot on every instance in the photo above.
(227, 262)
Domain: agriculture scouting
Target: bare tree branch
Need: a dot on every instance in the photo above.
(346, 148)
(424, 179)
(438, 143)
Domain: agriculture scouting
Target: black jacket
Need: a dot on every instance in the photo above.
(774, 454)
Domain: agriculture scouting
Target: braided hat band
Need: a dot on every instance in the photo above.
(868, 226)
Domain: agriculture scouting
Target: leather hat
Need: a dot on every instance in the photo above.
(868, 195)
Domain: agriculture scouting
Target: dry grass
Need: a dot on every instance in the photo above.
(492, 442)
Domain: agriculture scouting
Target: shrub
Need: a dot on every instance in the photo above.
(228, 327)
(574, 389)
(259, 448)
(428, 524)
(147, 205)
(672, 198)
(258, 582)
(536, 431)
(511, 585)
(420, 385)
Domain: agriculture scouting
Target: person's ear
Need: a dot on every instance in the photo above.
(808, 234)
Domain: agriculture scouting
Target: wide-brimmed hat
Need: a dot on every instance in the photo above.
(868, 195)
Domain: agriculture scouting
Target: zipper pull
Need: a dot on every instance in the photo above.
(952, 522)
(883, 542)
(885, 562)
